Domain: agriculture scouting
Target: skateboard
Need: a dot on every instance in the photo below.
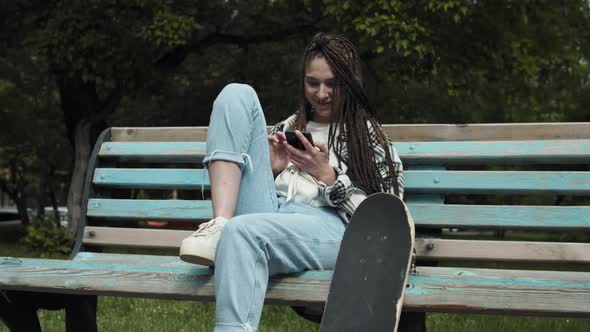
(376, 253)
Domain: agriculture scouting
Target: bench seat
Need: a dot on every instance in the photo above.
(442, 289)
(530, 180)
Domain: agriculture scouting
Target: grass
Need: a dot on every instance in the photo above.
(142, 315)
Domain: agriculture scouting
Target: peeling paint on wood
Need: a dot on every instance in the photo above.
(426, 151)
(440, 289)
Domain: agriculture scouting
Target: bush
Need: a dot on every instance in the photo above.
(47, 239)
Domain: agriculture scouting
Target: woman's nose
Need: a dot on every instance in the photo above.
(324, 91)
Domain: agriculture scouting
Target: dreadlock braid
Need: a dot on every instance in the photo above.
(352, 115)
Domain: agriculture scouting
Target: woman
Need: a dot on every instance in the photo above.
(278, 209)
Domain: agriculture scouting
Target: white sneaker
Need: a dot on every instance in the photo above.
(199, 248)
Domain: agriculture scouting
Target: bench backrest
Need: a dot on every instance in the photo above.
(496, 177)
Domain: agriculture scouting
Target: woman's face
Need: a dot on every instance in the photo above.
(319, 86)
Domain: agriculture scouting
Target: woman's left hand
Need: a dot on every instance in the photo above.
(311, 160)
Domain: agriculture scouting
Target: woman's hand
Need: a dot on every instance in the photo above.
(314, 161)
(278, 152)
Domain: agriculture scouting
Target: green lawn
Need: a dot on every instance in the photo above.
(129, 315)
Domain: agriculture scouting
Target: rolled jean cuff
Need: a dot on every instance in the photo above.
(234, 327)
(241, 159)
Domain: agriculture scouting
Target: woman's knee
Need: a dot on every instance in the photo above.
(233, 234)
(236, 240)
(237, 104)
(236, 92)
(238, 89)
(242, 231)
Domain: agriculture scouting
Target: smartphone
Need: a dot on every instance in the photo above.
(293, 140)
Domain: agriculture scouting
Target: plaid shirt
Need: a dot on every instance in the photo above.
(342, 194)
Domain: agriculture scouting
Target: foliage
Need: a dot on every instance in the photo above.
(46, 238)
(134, 45)
(474, 61)
(161, 63)
(33, 145)
(409, 28)
(169, 29)
(98, 53)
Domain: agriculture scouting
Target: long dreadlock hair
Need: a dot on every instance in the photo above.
(351, 115)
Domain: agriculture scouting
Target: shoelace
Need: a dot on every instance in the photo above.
(207, 229)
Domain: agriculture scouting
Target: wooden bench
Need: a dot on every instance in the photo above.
(455, 177)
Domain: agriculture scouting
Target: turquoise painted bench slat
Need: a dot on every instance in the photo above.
(163, 167)
(426, 215)
(434, 289)
(152, 178)
(150, 209)
(497, 182)
(496, 152)
(462, 182)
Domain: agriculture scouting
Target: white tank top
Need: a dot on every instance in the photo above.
(295, 184)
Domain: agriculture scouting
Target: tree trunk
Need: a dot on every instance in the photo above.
(21, 207)
(40, 193)
(53, 199)
(16, 192)
(84, 116)
(82, 151)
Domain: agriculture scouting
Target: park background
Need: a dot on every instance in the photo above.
(69, 69)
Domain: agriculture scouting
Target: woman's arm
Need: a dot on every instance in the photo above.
(345, 195)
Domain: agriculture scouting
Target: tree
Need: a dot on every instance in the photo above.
(97, 52)
(473, 61)
(147, 62)
(33, 150)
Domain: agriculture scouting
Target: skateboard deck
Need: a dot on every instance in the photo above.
(367, 288)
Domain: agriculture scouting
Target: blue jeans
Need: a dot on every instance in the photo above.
(268, 235)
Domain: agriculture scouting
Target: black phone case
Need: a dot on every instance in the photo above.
(293, 140)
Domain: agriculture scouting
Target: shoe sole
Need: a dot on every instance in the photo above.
(197, 260)
(196, 253)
